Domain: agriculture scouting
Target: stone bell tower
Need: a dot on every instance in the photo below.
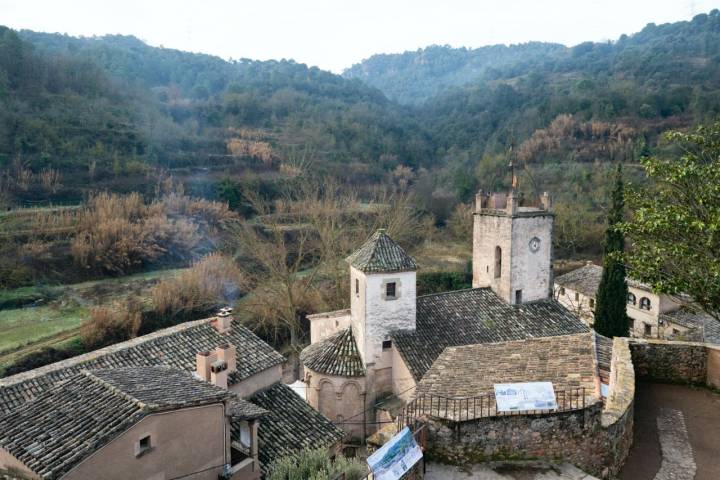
(512, 245)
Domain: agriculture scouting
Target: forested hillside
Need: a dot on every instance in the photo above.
(84, 114)
(106, 111)
(656, 57)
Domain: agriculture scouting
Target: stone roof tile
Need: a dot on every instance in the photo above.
(335, 355)
(68, 422)
(290, 426)
(466, 317)
(174, 347)
(469, 371)
(381, 254)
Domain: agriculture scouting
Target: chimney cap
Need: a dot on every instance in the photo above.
(218, 366)
(204, 353)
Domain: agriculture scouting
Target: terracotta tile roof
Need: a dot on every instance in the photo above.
(336, 355)
(568, 361)
(702, 327)
(290, 426)
(173, 347)
(379, 254)
(66, 423)
(467, 317)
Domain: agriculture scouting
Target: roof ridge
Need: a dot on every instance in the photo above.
(92, 355)
(451, 291)
(520, 340)
(115, 390)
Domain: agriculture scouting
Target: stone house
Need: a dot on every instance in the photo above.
(203, 399)
(365, 360)
(652, 315)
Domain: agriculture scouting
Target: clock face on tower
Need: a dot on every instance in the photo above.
(534, 244)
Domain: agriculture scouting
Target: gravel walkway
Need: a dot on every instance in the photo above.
(506, 471)
(678, 462)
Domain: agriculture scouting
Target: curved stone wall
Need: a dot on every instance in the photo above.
(596, 439)
(341, 399)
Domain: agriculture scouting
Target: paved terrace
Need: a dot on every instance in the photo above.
(677, 434)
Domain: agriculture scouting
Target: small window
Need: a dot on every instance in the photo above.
(645, 303)
(631, 299)
(518, 296)
(143, 446)
(592, 303)
(648, 330)
(498, 262)
(562, 290)
(357, 286)
(390, 290)
(675, 331)
(387, 345)
(577, 297)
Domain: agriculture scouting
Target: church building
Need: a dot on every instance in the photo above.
(380, 349)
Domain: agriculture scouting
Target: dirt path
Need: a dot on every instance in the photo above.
(701, 412)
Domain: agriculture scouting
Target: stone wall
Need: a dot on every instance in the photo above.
(339, 398)
(596, 439)
(672, 362)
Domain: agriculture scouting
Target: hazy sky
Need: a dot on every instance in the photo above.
(334, 34)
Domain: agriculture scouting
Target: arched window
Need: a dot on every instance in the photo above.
(562, 290)
(498, 262)
(645, 303)
(631, 299)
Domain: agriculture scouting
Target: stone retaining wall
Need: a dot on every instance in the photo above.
(596, 439)
(671, 362)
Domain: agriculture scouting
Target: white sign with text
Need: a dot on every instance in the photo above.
(518, 397)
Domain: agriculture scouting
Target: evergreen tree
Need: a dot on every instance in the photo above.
(611, 317)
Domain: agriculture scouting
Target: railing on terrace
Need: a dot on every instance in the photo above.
(481, 406)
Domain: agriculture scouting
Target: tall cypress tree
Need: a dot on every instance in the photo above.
(611, 317)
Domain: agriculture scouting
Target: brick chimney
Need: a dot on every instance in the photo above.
(228, 354)
(219, 373)
(223, 321)
(203, 361)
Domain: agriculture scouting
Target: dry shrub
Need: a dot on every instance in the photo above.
(212, 281)
(50, 179)
(117, 233)
(207, 214)
(258, 150)
(111, 324)
(587, 140)
(35, 250)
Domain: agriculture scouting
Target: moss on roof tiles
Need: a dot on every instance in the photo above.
(336, 355)
(381, 254)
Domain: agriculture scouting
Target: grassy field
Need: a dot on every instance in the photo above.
(52, 315)
(23, 326)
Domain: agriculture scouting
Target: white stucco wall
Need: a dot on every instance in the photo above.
(403, 382)
(374, 315)
(322, 325)
(260, 381)
(577, 303)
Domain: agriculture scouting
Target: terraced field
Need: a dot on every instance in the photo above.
(38, 317)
